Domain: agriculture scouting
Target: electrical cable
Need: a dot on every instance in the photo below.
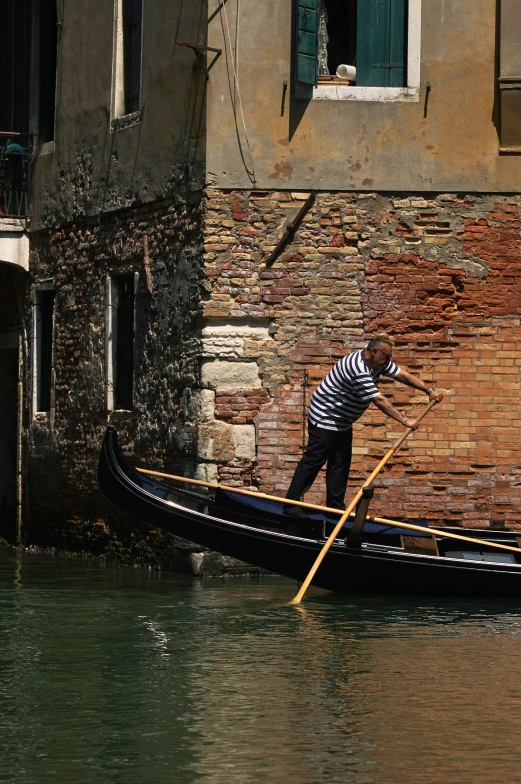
(235, 60)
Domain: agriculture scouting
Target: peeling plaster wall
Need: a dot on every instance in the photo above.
(302, 143)
(92, 167)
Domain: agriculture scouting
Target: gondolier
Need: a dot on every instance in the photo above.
(342, 397)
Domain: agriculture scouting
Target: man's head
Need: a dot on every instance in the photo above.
(379, 351)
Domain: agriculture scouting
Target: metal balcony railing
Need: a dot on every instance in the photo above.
(15, 161)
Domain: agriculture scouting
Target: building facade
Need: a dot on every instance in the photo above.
(151, 282)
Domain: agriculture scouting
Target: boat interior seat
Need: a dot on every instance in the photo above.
(423, 546)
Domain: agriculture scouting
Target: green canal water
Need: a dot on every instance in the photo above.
(121, 675)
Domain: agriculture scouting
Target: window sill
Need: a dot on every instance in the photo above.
(127, 121)
(121, 415)
(13, 225)
(344, 92)
(43, 149)
(42, 418)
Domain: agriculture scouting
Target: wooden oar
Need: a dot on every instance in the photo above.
(444, 534)
(240, 491)
(331, 510)
(322, 554)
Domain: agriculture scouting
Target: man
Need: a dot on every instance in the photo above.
(342, 397)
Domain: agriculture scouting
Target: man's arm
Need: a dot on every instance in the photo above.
(411, 381)
(383, 404)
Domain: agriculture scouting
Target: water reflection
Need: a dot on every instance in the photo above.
(118, 675)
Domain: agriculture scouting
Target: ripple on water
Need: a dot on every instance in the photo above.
(120, 675)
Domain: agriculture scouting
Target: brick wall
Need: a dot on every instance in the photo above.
(441, 275)
(63, 446)
(229, 350)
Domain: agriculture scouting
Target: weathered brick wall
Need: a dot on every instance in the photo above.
(62, 447)
(440, 274)
(224, 345)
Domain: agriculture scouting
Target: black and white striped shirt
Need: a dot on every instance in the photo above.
(347, 391)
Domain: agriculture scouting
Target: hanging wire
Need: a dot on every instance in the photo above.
(235, 67)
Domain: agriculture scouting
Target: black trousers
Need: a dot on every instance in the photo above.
(329, 446)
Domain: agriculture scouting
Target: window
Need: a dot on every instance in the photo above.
(15, 47)
(365, 49)
(337, 35)
(47, 26)
(120, 342)
(127, 57)
(43, 348)
(509, 78)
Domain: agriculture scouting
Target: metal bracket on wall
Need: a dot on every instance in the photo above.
(428, 88)
(290, 230)
(198, 51)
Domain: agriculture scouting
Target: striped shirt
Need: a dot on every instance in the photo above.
(347, 391)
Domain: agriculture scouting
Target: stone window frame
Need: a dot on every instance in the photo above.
(118, 120)
(47, 285)
(509, 79)
(336, 91)
(111, 322)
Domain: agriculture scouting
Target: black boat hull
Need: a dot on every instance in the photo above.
(368, 568)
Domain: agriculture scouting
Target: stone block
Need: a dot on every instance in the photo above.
(219, 442)
(199, 404)
(206, 472)
(228, 339)
(243, 438)
(215, 442)
(207, 564)
(223, 347)
(217, 373)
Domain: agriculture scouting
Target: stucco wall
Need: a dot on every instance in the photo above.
(357, 145)
(93, 168)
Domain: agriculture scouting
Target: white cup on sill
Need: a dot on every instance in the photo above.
(346, 72)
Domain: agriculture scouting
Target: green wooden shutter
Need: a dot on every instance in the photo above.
(381, 36)
(397, 45)
(307, 18)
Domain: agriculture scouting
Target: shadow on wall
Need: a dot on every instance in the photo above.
(195, 118)
(496, 118)
(297, 108)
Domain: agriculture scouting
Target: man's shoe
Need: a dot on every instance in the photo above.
(295, 511)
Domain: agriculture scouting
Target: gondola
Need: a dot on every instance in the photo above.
(385, 559)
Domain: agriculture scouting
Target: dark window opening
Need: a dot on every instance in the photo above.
(341, 32)
(124, 354)
(367, 37)
(132, 38)
(48, 43)
(45, 304)
(15, 59)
